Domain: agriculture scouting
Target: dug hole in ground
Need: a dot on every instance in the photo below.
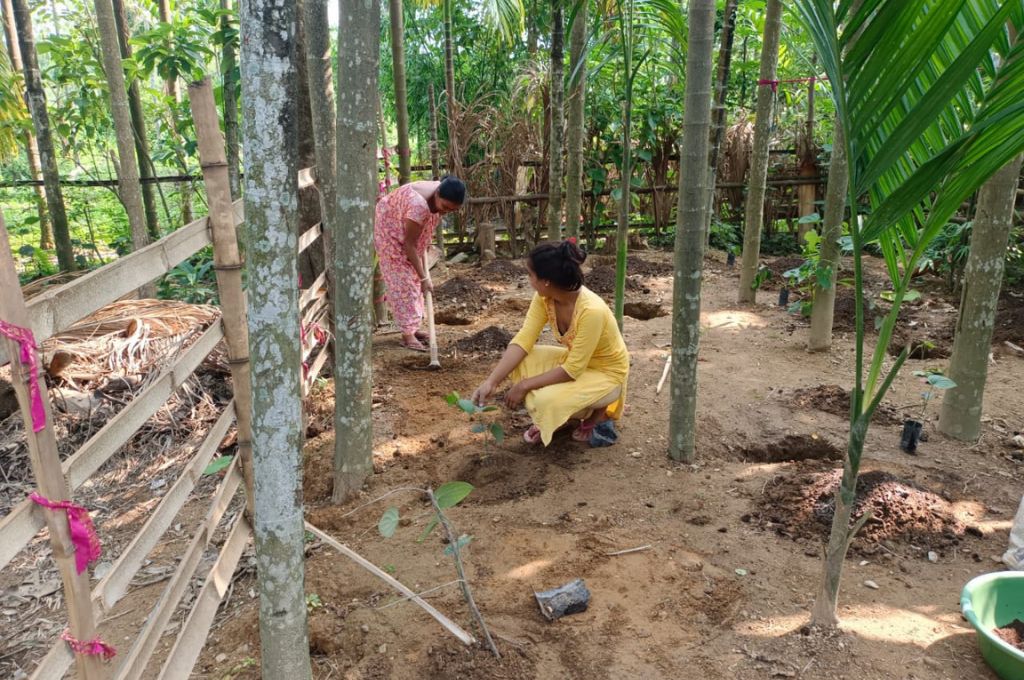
(736, 541)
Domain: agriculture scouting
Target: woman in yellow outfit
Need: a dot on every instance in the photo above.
(585, 377)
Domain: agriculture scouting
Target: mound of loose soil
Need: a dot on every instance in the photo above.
(501, 476)
(778, 267)
(491, 340)
(644, 311)
(925, 341)
(642, 267)
(502, 270)
(802, 505)
(835, 400)
(1009, 320)
(601, 280)
(844, 314)
(1012, 633)
(458, 299)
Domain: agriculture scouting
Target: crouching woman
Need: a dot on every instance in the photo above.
(581, 379)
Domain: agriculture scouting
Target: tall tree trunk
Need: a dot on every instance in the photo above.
(577, 105)
(555, 178)
(358, 60)
(271, 207)
(806, 152)
(35, 98)
(28, 138)
(435, 153)
(129, 189)
(171, 83)
(454, 153)
(754, 213)
(694, 195)
(173, 93)
(401, 106)
(824, 300)
(229, 82)
(146, 169)
(532, 29)
(960, 416)
(320, 77)
(626, 172)
(719, 108)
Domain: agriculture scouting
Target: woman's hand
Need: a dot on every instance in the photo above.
(516, 395)
(481, 394)
(426, 285)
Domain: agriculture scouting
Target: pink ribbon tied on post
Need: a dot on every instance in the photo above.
(83, 533)
(27, 355)
(94, 647)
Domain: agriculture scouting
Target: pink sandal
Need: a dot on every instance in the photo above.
(582, 433)
(532, 435)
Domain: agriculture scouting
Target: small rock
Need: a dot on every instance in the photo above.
(365, 628)
(157, 484)
(668, 473)
(383, 649)
(933, 663)
(864, 563)
(871, 584)
(221, 658)
(933, 556)
(495, 519)
(634, 454)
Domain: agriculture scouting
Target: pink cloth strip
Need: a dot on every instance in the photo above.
(27, 355)
(95, 647)
(83, 533)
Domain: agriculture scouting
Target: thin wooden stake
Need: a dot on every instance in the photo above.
(228, 267)
(42, 449)
(664, 374)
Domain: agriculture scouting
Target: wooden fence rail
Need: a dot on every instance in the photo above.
(58, 309)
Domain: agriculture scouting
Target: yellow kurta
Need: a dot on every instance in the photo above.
(592, 352)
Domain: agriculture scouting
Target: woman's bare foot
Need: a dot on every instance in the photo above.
(410, 341)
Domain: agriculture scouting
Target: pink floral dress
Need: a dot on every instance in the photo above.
(404, 296)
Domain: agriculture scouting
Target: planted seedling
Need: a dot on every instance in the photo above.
(479, 426)
(912, 428)
(313, 601)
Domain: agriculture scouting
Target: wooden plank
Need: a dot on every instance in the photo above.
(17, 528)
(56, 662)
(119, 429)
(314, 371)
(133, 663)
(309, 293)
(192, 638)
(227, 265)
(307, 177)
(115, 584)
(58, 308)
(310, 236)
(45, 462)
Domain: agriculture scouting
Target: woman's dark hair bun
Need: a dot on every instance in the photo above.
(559, 263)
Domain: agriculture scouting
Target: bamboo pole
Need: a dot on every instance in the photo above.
(228, 267)
(42, 448)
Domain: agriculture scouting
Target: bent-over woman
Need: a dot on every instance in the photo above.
(584, 377)
(403, 228)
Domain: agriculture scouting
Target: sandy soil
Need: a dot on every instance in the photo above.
(735, 541)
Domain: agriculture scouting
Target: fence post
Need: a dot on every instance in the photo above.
(50, 482)
(228, 267)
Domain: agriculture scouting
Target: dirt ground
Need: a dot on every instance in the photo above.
(732, 545)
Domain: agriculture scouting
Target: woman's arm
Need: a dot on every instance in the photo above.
(508, 362)
(413, 231)
(518, 393)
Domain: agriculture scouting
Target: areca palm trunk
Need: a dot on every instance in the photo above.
(555, 169)
(960, 416)
(229, 81)
(577, 103)
(454, 153)
(35, 97)
(401, 105)
(718, 110)
(754, 213)
(271, 214)
(29, 139)
(358, 58)
(824, 295)
(146, 169)
(129, 187)
(694, 195)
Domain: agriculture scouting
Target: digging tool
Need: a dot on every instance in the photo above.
(428, 298)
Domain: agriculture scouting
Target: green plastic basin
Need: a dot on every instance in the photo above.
(992, 601)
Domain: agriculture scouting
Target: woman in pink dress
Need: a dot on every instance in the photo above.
(404, 227)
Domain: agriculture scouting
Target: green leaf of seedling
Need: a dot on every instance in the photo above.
(498, 432)
(488, 409)
(451, 494)
(460, 543)
(218, 464)
(813, 218)
(940, 382)
(911, 295)
(477, 428)
(434, 521)
(388, 523)
(452, 398)
(467, 406)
